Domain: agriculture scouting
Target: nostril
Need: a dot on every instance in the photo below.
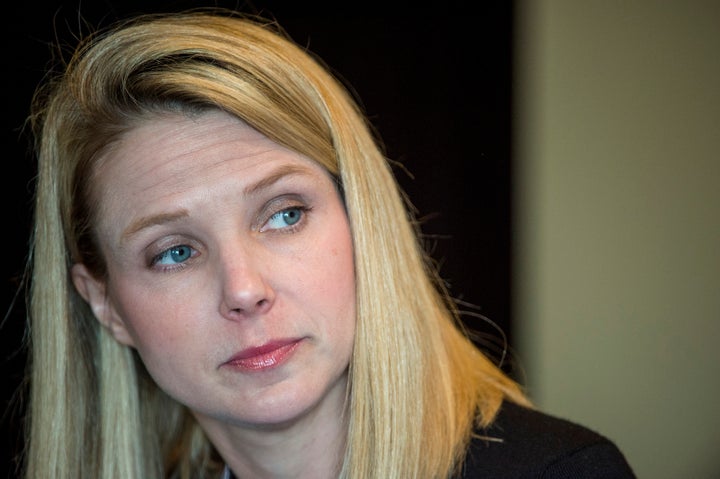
(259, 306)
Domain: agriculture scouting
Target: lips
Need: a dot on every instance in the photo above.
(267, 356)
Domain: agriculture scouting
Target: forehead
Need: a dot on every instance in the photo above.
(175, 148)
(173, 158)
(173, 137)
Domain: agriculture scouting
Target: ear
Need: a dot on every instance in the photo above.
(94, 293)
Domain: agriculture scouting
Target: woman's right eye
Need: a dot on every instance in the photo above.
(174, 256)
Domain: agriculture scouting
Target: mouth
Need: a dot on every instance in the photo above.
(267, 356)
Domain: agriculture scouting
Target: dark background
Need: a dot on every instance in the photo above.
(436, 83)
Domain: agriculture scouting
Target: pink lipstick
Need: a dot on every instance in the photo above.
(267, 356)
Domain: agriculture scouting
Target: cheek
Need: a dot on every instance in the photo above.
(156, 322)
(163, 337)
(335, 253)
(336, 282)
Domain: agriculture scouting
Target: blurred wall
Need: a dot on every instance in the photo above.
(618, 223)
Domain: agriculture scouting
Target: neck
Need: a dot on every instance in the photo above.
(310, 447)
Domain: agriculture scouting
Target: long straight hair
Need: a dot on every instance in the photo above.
(418, 386)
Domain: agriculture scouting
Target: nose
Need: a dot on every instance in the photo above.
(246, 292)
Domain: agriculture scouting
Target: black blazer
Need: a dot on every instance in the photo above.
(531, 444)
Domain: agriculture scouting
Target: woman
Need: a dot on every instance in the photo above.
(226, 281)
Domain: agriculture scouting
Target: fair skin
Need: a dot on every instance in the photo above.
(230, 271)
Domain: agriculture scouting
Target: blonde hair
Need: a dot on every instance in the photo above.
(418, 385)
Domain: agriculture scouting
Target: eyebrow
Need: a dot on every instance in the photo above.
(153, 220)
(253, 189)
(275, 176)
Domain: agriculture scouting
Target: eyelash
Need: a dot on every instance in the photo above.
(303, 209)
(155, 260)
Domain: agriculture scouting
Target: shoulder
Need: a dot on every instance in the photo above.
(523, 443)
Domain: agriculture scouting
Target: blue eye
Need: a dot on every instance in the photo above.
(174, 255)
(285, 218)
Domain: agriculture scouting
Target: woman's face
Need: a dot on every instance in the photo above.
(230, 269)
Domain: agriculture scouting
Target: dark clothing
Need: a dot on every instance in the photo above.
(528, 444)
(537, 445)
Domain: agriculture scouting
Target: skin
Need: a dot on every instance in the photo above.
(231, 273)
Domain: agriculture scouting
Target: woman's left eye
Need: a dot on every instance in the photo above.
(286, 218)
